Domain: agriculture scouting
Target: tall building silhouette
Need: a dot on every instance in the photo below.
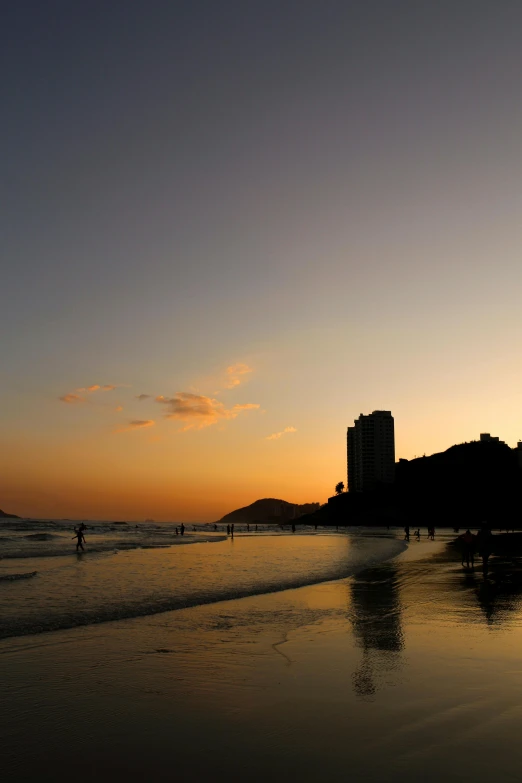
(371, 451)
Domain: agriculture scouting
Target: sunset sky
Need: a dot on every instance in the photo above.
(229, 228)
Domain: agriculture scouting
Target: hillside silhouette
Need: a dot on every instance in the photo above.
(4, 515)
(268, 511)
(465, 485)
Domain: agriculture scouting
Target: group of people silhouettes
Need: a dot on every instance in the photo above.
(417, 533)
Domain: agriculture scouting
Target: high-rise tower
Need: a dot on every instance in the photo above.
(371, 451)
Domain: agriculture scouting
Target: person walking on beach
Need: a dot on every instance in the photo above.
(468, 548)
(80, 538)
(407, 533)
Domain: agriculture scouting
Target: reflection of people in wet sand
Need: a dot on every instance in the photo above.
(485, 546)
(467, 543)
(80, 538)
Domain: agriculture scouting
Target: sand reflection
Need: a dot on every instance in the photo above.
(375, 613)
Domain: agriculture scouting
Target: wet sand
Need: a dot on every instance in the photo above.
(410, 670)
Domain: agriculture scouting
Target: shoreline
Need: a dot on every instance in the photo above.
(370, 674)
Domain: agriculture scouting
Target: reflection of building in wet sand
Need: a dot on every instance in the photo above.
(376, 620)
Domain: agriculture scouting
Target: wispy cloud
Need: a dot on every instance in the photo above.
(277, 435)
(197, 411)
(136, 424)
(142, 397)
(234, 373)
(72, 399)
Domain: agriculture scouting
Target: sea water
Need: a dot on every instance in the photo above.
(131, 572)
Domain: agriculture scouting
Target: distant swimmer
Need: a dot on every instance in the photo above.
(80, 539)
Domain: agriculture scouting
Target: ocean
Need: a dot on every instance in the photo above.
(132, 571)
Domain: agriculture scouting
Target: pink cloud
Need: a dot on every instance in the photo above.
(136, 424)
(71, 399)
(234, 373)
(197, 411)
(277, 435)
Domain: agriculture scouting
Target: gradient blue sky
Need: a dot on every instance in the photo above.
(326, 192)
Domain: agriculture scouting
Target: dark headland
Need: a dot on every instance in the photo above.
(4, 515)
(465, 485)
(268, 511)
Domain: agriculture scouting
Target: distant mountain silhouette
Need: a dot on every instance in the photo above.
(268, 511)
(464, 485)
(3, 515)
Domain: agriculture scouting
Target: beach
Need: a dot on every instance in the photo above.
(407, 668)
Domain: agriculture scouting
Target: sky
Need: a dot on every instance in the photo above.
(230, 228)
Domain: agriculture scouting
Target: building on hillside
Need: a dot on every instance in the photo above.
(371, 451)
(485, 437)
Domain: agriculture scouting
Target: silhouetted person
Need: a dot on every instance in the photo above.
(215, 527)
(256, 528)
(315, 527)
(177, 532)
(417, 534)
(248, 528)
(468, 548)
(228, 530)
(80, 539)
(407, 533)
(182, 529)
(232, 530)
(293, 528)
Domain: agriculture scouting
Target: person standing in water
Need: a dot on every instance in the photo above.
(80, 538)
(182, 529)
(232, 530)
